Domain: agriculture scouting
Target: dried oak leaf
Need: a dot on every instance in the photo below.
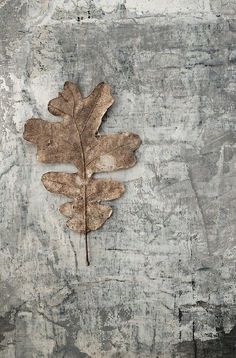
(75, 140)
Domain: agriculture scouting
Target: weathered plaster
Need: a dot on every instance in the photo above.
(162, 280)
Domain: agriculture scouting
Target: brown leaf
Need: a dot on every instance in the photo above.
(72, 186)
(75, 140)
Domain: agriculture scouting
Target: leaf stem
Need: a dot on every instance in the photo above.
(87, 255)
(84, 175)
(85, 225)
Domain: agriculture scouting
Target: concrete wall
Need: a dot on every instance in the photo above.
(162, 279)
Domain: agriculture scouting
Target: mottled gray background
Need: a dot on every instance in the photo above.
(162, 279)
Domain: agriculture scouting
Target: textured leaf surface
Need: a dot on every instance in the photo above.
(75, 140)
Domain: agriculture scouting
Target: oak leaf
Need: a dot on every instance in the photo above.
(75, 140)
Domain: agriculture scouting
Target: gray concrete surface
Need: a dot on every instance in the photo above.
(162, 279)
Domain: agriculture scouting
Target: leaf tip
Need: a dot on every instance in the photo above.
(44, 178)
(122, 189)
(106, 88)
(32, 129)
(67, 84)
(52, 109)
(137, 139)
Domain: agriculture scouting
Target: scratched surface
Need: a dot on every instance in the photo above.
(162, 277)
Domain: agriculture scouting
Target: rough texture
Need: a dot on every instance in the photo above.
(162, 282)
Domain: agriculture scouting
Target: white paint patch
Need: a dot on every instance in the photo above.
(3, 85)
(106, 162)
(153, 7)
(171, 6)
(107, 5)
(78, 180)
(3, 3)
